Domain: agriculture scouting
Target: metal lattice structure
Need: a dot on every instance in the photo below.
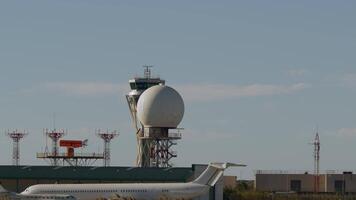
(107, 136)
(69, 158)
(316, 155)
(16, 136)
(161, 152)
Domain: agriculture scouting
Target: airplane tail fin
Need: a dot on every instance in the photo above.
(2, 189)
(213, 173)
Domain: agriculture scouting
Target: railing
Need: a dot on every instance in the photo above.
(283, 172)
(47, 155)
(175, 135)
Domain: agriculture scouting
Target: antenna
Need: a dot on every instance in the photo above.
(316, 155)
(54, 121)
(16, 136)
(70, 157)
(147, 71)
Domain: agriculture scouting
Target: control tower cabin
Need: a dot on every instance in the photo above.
(138, 85)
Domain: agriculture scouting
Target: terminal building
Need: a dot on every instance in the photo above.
(305, 182)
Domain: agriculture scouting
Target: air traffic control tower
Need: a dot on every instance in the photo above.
(153, 150)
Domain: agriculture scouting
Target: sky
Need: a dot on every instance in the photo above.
(257, 77)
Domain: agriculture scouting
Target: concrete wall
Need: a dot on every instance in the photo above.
(9, 184)
(230, 181)
(282, 182)
(349, 179)
(327, 183)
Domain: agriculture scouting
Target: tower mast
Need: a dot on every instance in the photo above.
(316, 154)
(16, 136)
(107, 136)
(55, 135)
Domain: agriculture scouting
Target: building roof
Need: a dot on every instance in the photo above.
(123, 174)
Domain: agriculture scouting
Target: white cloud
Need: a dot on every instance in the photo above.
(216, 92)
(346, 132)
(80, 88)
(297, 72)
(349, 79)
(190, 92)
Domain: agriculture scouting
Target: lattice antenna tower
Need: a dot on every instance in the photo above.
(16, 136)
(54, 135)
(107, 136)
(316, 155)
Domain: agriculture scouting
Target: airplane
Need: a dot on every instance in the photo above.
(138, 191)
(6, 195)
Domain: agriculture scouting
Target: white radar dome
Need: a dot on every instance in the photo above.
(160, 106)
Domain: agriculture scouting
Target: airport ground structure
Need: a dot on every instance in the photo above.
(17, 178)
(342, 182)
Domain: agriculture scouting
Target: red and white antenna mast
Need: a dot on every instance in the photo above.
(107, 136)
(16, 136)
(54, 135)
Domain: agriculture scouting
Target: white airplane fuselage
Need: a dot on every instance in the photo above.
(137, 191)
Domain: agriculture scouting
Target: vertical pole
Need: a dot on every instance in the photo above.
(106, 152)
(15, 152)
(54, 150)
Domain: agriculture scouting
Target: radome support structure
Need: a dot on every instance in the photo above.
(153, 149)
(160, 109)
(107, 136)
(16, 136)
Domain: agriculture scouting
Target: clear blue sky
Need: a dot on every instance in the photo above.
(257, 76)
